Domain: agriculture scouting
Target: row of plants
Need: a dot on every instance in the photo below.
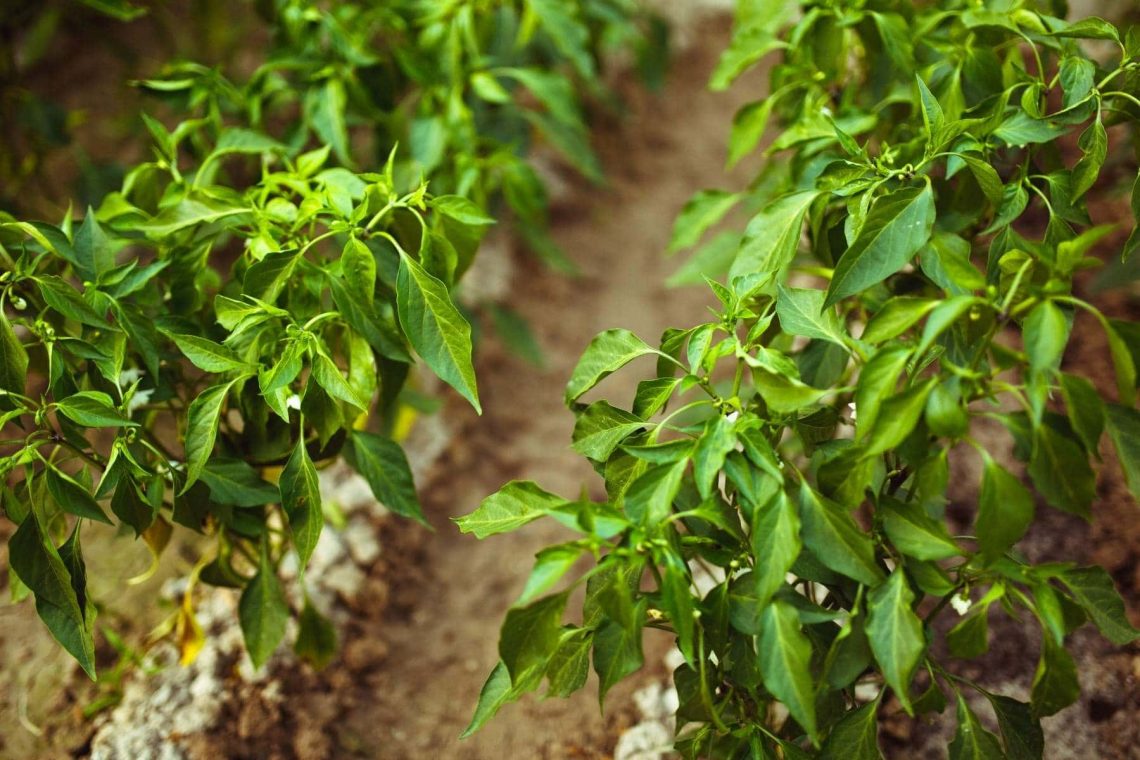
(249, 305)
(896, 309)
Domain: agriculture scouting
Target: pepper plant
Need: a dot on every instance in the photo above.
(245, 309)
(776, 491)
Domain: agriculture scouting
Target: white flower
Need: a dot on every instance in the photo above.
(961, 603)
(139, 400)
(128, 376)
(732, 416)
(293, 402)
(851, 406)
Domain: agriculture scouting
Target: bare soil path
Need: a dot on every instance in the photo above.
(665, 148)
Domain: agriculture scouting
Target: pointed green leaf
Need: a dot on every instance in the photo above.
(776, 545)
(383, 464)
(207, 355)
(511, 507)
(895, 633)
(1005, 511)
(836, 540)
(772, 236)
(855, 736)
(972, 741)
(897, 227)
(1094, 590)
(785, 662)
(300, 494)
(436, 329)
(608, 351)
(263, 612)
(202, 420)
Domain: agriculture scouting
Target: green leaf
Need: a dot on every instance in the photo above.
(511, 507)
(617, 651)
(316, 637)
(189, 212)
(1021, 129)
(855, 736)
(550, 565)
(772, 236)
(1092, 28)
(378, 329)
(1094, 590)
(987, 178)
(436, 329)
(801, 312)
(325, 109)
(776, 545)
(897, 227)
(1061, 472)
(702, 211)
(897, 418)
(300, 495)
(601, 428)
(93, 409)
(263, 611)
(13, 359)
(877, 382)
(1055, 684)
(93, 250)
(895, 633)
(895, 317)
(328, 376)
(264, 279)
(1020, 731)
(207, 355)
(914, 533)
(835, 539)
(496, 692)
(383, 464)
(749, 44)
(1124, 430)
(233, 481)
(461, 210)
(942, 317)
(932, 116)
(570, 666)
(712, 447)
(785, 663)
(970, 638)
(608, 351)
(748, 127)
(653, 395)
(73, 497)
(57, 588)
(530, 635)
(1085, 408)
(972, 741)
(1005, 511)
(1046, 331)
(202, 420)
(649, 499)
(1094, 146)
(65, 300)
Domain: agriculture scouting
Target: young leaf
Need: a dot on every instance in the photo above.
(436, 329)
(13, 359)
(896, 229)
(601, 428)
(93, 409)
(649, 499)
(1046, 332)
(713, 446)
(496, 692)
(207, 355)
(895, 633)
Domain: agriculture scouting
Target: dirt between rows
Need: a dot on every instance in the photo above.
(422, 641)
